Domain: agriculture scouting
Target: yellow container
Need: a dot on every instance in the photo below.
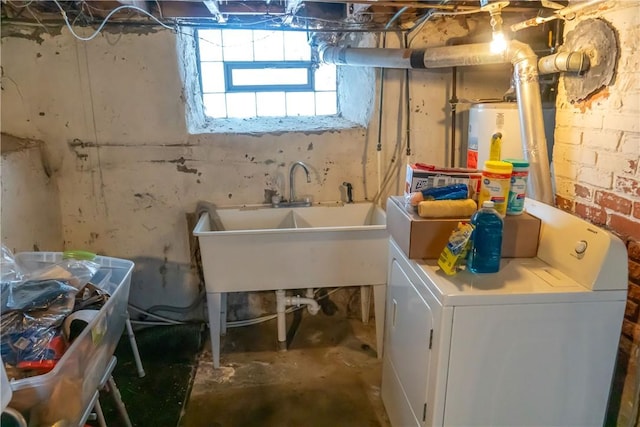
(496, 180)
(495, 153)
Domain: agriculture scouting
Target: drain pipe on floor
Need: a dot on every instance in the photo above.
(282, 301)
(525, 76)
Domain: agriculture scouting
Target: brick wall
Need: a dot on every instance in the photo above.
(596, 164)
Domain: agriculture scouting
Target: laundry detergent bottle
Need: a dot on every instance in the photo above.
(486, 245)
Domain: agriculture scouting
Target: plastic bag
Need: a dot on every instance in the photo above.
(36, 295)
(30, 337)
(448, 192)
(10, 273)
(29, 347)
(455, 252)
(77, 272)
(9, 270)
(34, 302)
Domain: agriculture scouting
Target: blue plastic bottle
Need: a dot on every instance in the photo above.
(486, 246)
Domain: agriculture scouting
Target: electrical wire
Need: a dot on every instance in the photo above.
(412, 33)
(148, 323)
(163, 319)
(159, 9)
(104, 22)
(20, 6)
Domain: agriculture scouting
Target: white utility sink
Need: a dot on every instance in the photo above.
(261, 248)
(264, 248)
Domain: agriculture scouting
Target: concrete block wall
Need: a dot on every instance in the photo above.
(596, 163)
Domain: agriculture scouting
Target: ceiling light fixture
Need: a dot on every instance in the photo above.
(498, 42)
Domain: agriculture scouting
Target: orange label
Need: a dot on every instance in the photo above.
(472, 159)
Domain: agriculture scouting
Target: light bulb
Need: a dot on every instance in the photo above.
(499, 43)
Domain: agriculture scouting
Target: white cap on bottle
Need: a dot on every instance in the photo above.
(488, 204)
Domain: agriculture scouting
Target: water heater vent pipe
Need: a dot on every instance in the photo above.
(525, 76)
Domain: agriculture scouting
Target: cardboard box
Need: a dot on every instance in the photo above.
(424, 238)
(420, 176)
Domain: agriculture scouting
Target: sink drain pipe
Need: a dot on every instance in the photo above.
(282, 301)
(525, 76)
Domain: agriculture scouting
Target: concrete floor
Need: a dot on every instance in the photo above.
(329, 376)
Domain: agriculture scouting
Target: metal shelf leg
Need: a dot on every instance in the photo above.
(101, 421)
(134, 348)
(119, 403)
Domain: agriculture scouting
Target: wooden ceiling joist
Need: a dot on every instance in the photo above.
(137, 3)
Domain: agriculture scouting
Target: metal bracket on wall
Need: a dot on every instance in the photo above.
(598, 40)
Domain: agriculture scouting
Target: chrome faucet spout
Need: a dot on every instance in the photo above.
(292, 192)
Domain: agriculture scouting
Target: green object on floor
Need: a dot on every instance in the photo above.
(168, 354)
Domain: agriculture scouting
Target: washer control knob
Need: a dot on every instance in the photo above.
(581, 247)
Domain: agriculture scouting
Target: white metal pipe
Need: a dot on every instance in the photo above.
(312, 305)
(564, 13)
(282, 321)
(576, 62)
(525, 64)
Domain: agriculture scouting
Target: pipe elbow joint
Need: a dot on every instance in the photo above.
(518, 52)
(313, 309)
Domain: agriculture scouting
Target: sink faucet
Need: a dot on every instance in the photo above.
(292, 193)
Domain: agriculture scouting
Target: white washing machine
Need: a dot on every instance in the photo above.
(532, 345)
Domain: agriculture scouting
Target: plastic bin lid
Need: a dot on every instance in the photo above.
(517, 163)
(497, 166)
(77, 254)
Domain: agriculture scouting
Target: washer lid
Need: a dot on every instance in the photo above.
(520, 280)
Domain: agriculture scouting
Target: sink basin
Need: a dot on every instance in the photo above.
(253, 219)
(254, 248)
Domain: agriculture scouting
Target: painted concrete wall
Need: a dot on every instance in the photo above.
(30, 204)
(112, 115)
(597, 158)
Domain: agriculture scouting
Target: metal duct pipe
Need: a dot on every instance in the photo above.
(525, 64)
(437, 57)
(534, 142)
(576, 62)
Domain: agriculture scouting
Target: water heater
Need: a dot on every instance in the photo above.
(484, 121)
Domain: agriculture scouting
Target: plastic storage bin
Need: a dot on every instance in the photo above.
(61, 395)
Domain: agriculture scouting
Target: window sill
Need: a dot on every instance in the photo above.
(262, 125)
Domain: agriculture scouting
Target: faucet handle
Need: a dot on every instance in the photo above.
(349, 191)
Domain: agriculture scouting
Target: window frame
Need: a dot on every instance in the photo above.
(229, 66)
(310, 65)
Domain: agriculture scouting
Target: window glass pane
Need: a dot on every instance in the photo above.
(237, 45)
(241, 105)
(215, 105)
(269, 76)
(268, 45)
(296, 47)
(212, 77)
(219, 47)
(326, 103)
(300, 104)
(271, 104)
(325, 77)
(210, 42)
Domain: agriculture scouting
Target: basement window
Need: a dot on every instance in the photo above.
(260, 73)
